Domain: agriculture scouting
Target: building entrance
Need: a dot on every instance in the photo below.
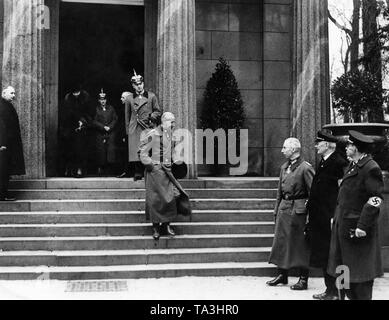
(99, 46)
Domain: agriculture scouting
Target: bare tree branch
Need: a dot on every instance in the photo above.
(335, 22)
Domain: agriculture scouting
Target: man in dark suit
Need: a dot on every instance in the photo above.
(11, 148)
(321, 207)
(355, 242)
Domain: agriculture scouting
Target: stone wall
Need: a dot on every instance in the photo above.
(259, 51)
(1, 39)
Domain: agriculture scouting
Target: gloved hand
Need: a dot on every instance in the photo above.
(307, 232)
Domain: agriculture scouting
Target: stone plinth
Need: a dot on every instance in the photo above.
(310, 108)
(23, 69)
(176, 80)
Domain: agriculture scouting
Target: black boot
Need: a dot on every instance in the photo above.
(282, 278)
(156, 233)
(168, 230)
(302, 284)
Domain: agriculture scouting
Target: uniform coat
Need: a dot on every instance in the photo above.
(321, 207)
(290, 249)
(105, 141)
(361, 255)
(138, 108)
(10, 137)
(165, 197)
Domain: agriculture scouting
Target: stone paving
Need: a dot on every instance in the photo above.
(187, 288)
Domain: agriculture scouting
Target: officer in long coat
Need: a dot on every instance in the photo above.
(290, 248)
(139, 106)
(355, 246)
(165, 197)
(11, 149)
(321, 207)
(105, 122)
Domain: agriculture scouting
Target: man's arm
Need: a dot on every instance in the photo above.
(146, 140)
(374, 187)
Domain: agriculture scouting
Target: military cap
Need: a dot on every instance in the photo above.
(324, 136)
(359, 138)
(363, 142)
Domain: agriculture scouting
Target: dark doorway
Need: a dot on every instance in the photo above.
(99, 46)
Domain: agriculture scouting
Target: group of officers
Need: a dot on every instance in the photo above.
(151, 146)
(329, 219)
(89, 133)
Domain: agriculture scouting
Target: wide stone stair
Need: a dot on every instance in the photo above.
(91, 228)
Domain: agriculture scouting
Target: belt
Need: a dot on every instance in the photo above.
(290, 197)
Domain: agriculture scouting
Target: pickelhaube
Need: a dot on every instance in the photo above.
(136, 79)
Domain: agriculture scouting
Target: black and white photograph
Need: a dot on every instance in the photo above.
(204, 151)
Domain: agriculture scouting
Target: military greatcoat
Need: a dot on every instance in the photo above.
(138, 109)
(290, 249)
(358, 207)
(165, 198)
(321, 207)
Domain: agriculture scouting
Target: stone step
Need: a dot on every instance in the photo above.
(114, 183)
(135, 242)
(132, 257)
(51, 194)
(129, 204)
(131, 229)
(258, 269)
(64, 217)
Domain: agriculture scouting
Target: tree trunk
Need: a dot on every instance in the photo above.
(371, 47)
(354, 46)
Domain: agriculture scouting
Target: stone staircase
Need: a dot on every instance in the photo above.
(72, 229)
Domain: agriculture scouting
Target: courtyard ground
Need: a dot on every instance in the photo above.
(187, 288)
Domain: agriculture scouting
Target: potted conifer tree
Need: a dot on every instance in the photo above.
(222, 108)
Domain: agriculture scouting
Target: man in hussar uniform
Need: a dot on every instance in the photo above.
(321, 208)
(290, 248)
(140, 106)
(355, 245)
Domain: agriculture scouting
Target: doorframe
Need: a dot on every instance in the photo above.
(120, 2)
(51, 74)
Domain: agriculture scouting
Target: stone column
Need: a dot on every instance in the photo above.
(23, 69)
(150, 57)
(176, 64)
(311, 102)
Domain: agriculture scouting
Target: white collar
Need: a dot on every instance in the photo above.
(327, 156)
